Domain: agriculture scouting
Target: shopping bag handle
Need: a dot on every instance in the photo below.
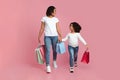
(39, 45)
(86, 50)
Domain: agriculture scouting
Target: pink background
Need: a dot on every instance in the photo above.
(19, 26)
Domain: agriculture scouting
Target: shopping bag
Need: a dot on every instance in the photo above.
(42, 50)
(60, 48)
(40, 54)
(85, 57)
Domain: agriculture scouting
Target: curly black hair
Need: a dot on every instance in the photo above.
(50, 10)
(76, 27)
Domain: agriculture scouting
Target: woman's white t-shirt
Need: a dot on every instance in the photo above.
(50, 26)
(73, 39)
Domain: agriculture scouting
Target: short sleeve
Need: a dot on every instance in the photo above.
(43, 19)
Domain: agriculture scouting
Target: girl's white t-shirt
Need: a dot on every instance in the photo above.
(73, 39)
(50, 26)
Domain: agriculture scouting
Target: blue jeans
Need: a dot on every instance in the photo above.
(73, 52)
(50, 40)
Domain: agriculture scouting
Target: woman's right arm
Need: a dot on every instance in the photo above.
(41, 31)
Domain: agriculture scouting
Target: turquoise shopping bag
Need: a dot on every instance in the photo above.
(60, 48)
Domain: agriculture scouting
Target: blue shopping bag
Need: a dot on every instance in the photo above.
(60, 48)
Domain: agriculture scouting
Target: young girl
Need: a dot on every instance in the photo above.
(73, 44)
(50, 26)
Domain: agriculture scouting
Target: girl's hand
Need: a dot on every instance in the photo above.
(87, 48)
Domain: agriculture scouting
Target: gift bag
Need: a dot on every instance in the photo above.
(60, 47)
(85, 57)
(40, 54)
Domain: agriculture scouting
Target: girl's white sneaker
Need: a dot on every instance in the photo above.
(71, 69)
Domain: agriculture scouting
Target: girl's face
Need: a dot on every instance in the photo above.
(54, 13)
(71, 28)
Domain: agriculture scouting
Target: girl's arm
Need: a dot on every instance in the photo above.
(41, 31)
(66, 38)
(59, 31)
(81, 39)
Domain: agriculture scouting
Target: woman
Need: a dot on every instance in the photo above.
(50, 26)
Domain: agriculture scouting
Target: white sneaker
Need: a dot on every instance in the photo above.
(48, 69)
(71, 69)
(55, 64)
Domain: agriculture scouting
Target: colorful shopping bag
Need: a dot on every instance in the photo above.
(42, 50)
(85, 57)
(40, 54)
(60, 48)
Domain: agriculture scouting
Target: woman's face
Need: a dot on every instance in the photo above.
(54, 13)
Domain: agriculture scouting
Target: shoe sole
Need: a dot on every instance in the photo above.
(71, 71)
(48, 72)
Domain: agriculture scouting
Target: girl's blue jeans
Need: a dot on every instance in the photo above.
(73, 52)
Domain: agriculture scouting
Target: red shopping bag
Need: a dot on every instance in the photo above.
(85, 57)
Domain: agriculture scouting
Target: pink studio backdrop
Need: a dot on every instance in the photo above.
(20, 23)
